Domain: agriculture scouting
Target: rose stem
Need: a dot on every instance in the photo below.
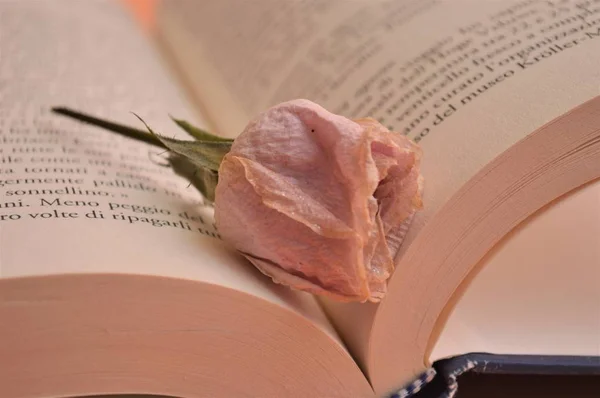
(121, 129)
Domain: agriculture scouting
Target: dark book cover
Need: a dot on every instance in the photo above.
(561, 376)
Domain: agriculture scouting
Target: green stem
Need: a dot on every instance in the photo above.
(121, 129)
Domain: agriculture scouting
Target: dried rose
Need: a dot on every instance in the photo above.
(317, 201)
(314, 200)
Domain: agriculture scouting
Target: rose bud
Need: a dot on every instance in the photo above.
(319, 202)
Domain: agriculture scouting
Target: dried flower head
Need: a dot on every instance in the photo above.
(317, 201)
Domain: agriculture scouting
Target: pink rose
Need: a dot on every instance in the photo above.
(317, 201)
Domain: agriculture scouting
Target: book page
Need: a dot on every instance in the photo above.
(538, 291)
(465, 79)
(79, 200)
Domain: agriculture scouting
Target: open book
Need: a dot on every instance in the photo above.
(113, 278)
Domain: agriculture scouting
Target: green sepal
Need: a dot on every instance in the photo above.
(201, 153)
(198, 133)
(207, 154)
(203, 179)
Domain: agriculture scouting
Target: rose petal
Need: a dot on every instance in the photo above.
(265, 233)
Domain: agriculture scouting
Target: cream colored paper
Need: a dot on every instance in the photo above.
(543, 277)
